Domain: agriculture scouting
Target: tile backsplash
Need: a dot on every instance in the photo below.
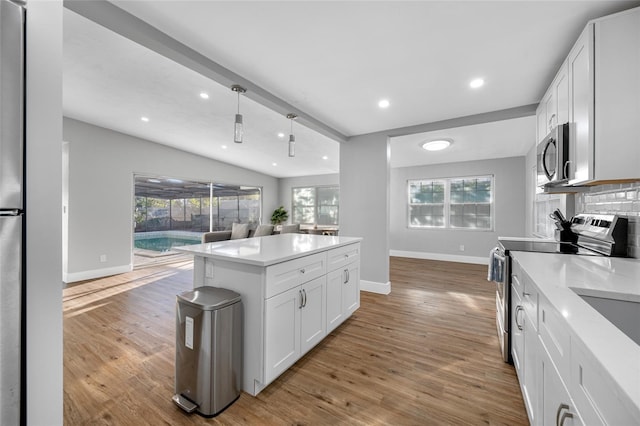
(620, 199)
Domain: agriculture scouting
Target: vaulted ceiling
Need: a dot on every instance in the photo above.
(331, 61)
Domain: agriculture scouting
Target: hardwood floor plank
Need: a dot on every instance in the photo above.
(425, 354)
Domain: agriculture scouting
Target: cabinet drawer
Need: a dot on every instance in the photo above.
(530, 300)
(341, 256)
(286, 275)
(597, 397)
(555, 337)
(516, 276)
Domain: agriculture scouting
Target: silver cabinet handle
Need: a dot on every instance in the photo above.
(518, 309)
(551, 121)
(567, 415)
(346, 276)
(304, 295)
(346, 256)
(302, 270)
(524, 293)
(301, 300)
(561, 408)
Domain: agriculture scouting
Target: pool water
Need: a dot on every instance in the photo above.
(163, 243)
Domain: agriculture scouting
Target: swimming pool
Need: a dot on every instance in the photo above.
(163, 243)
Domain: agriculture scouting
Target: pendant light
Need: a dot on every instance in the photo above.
(292, 138)
(238, 128)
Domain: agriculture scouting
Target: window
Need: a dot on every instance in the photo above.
(454, 203)
(173, 204)
(315, 205)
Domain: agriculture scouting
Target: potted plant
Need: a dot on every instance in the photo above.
(279, 216)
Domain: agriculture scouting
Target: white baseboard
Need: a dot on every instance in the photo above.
(95, 273)
(441, 256)
(375, 287)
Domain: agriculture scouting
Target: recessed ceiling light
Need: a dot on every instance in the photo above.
(478, 82)
(145, 119)
(436, 145)
(204, 95)
(281, 135)
(274, 164)
(224, 147)
(324, 157)
(384, 103)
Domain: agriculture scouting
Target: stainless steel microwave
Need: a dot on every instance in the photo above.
(553, 156)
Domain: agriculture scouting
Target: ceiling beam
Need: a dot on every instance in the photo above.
(129, 26)
(469, 120)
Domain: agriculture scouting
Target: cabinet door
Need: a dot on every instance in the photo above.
(517, 328)
(529, 384)
(556, 406)
(282, 332)
(335, 315)
(541, 121)
(313, 325)
(617, 96)
(351, 289)
(561, 90)
(581, 107)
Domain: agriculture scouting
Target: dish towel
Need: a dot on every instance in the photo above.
(491, 273)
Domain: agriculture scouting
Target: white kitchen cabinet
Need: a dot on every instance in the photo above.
(524, 336)
(597, 90)
(617, 96)
(581, 106)
(554, 106)
(294, 322)
(556, 406)
(594, 393)
(313, 323)
(517, 335)
(604, 73)
(282, 332)
(343, 285)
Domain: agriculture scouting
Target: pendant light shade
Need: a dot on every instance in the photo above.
(238, 127)
(292, 137)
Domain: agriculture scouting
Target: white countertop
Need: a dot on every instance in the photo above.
(265, 251)
(559, 277)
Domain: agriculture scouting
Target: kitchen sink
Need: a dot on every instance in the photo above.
(624, 314)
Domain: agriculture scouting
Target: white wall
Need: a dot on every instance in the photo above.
(43, 214)
(285, 185)
(509, 211)
(100, 211)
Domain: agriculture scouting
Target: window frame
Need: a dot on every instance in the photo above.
(316, 206)
(447, 203)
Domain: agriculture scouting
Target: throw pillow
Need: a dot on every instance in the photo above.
(263, 230)
(239, 230)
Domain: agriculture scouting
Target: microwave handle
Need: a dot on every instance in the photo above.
(567, 169)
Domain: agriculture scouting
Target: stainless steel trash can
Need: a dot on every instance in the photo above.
(208, 370)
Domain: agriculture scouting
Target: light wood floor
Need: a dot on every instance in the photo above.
(425, 354)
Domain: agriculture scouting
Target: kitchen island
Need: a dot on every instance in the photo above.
(295, 290)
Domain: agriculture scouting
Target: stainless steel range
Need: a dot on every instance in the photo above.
(583, 235)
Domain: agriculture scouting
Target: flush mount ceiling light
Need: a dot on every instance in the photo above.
(384, 103)
(292, 138)
(436, 145)
(204, 95)
(238, 128)
(476, 83)
(145, 119)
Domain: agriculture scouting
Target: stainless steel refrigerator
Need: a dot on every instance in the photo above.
(12, 223)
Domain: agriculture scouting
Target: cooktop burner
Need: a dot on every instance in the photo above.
(545, 246)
